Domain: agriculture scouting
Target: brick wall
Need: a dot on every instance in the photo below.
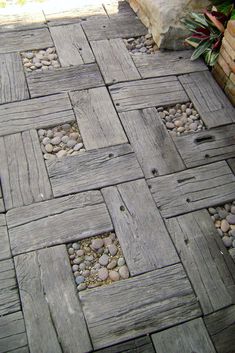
(224, 70)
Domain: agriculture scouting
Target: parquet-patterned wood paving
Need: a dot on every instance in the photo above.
(134, 178)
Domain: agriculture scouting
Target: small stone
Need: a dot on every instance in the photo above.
(71, 251)
(48, 156)
(193, 126)
(212, 210)
(188, 111)
(223, 213)
(46, 141)
(114, 276)
(78, 146)
(121, 261)
(74, 135)
(79, 279)
(112, 249)
(71, 143)
(75, 268)
(76, 246)
(81, 286)
(65, 139)
(143, 50)
(45, 63)
(89, 257)
(124, 272)
(61, 153)
(232, 209)
(231, 218)
(104, 260)
(97, 244)
(107, 241)
(178, 123)
(181, 129)
(29, 55)
(56, 140)
(80, 252)
(220, 232)
(170, 125)
(41, 132)
(49, 148)
(227, 241)
(82, 266)
(172, 111)
(86, 273)
(66, 127)
(227, 206)
(50, 133)
(224, 225)
(50, 50)
(78, 260)
(112, 264)
(103, 273)
(183, 107)
(56, 149)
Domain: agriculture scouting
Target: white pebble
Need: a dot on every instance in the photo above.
(61, 154)
(49, 148)
(78, 146)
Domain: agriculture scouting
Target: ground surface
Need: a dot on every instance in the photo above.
(114, 161)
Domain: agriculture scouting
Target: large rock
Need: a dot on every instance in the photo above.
(163, 18)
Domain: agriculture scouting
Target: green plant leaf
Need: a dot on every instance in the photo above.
(201, 49)
(199, 18)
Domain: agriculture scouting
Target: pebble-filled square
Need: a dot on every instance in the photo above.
(40, 60)
(141, 45)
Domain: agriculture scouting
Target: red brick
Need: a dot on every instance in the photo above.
(228, 59)
(230, 39)
(219, 75)
(231, 27)
(230, 91)
(228, 48)
(225, 67)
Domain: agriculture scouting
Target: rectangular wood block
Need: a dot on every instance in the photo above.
(143, 304)
(5, 252)
(138, 345)
(9, 297)
(119, 9)
(193, 189)
(231, 163)
(21, 20)
(147, 93)
(93, 169)
(2, 207)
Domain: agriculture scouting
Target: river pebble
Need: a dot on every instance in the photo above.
(141, 45)
(40, 60)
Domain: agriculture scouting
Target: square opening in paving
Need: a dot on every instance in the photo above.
(40, 60)
(141, 45)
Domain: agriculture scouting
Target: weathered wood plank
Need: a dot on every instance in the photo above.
(208, 98)
(193, 189)
(151, 142)
(207, 146)
(221, 327)
(138, 345)
(93, 169)
(25, 40)
(147, 93)
(35, 114)
(143, 304)
(71, 45)
(64, 79)
(22, 20)
(12, 333)
(57, 221)
(2, 207)
(9, 297)
(114, 60)
(5, 252)
(205, 259)
(97, 119)
(167, 63)
(142, 235)
(119, 9)
(13, 86)
(231, 163)
(191, 336)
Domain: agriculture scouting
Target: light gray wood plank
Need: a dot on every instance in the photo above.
(21, 20)
(151, 142)
(231, 163)
(167, 63)
(5, 252)
(57, 221)
(64, 79)
(139, 227)
(138, 345)
(13, 86)
(119, 9)
(114, 60)
(9, 297)
(71, 45)
(207, 146)
(147, 93)
(208, 98)
(205, 259)
(93, 170)
(191, 336)
(65, 308)
(2, 207)
(25, 40)
(142, 304)
(193, 189)
(97, 119)
(35, 114)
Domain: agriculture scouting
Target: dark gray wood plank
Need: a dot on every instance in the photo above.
(9, 297)
(57, 221)
(35, 114)
(231, 163)
(64, 79)
(139, 227)
(205, 259)
(93, 169)
(71, 45)
(207, 146)
(193, 189)
(5, 252)
(191, 336)
(142, 304)
(21, 20)
(167, 63)
(25, 40)
(147, 93)
(114, 60)
(2, 207)
(151, 142)
(138, 345)
(221, 327)
(208, 98)
(13, 86)
(97, 119)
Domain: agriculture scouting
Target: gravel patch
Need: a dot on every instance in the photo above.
(141, 45)
(40, 60)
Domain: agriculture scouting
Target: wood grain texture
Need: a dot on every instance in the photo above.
(114, 60)
(138, 345)
(35, 114)
(208, 98)
(13, 86)
(119, 9)
(71, 45)
(205, 259)
(191, 336)
(139, 227)
(97, 119)
(207, 146)
(143, 304)
(193, 189)
(9, 297)
(147, 93)
(151, 142)
(221, 327)
(57, 221)
(64, 79)
(5, 252)
(22, 20)
(167, 63)
(231, 163)
(2, 207)
(93, 169)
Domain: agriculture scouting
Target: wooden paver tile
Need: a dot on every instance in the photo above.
(231, 163)
(97, 119)
(210, 268)
(2, 207)
(12, 79)
(21, 20)
(5, 252)
(93, 169)
(151, 142)
(139, 227)
(119, 9)
(193, 189)
(191, 336)
(137, 306)
(147, 93)
(208, 98)
(138, 345)
(114, 60)
(57, 221)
